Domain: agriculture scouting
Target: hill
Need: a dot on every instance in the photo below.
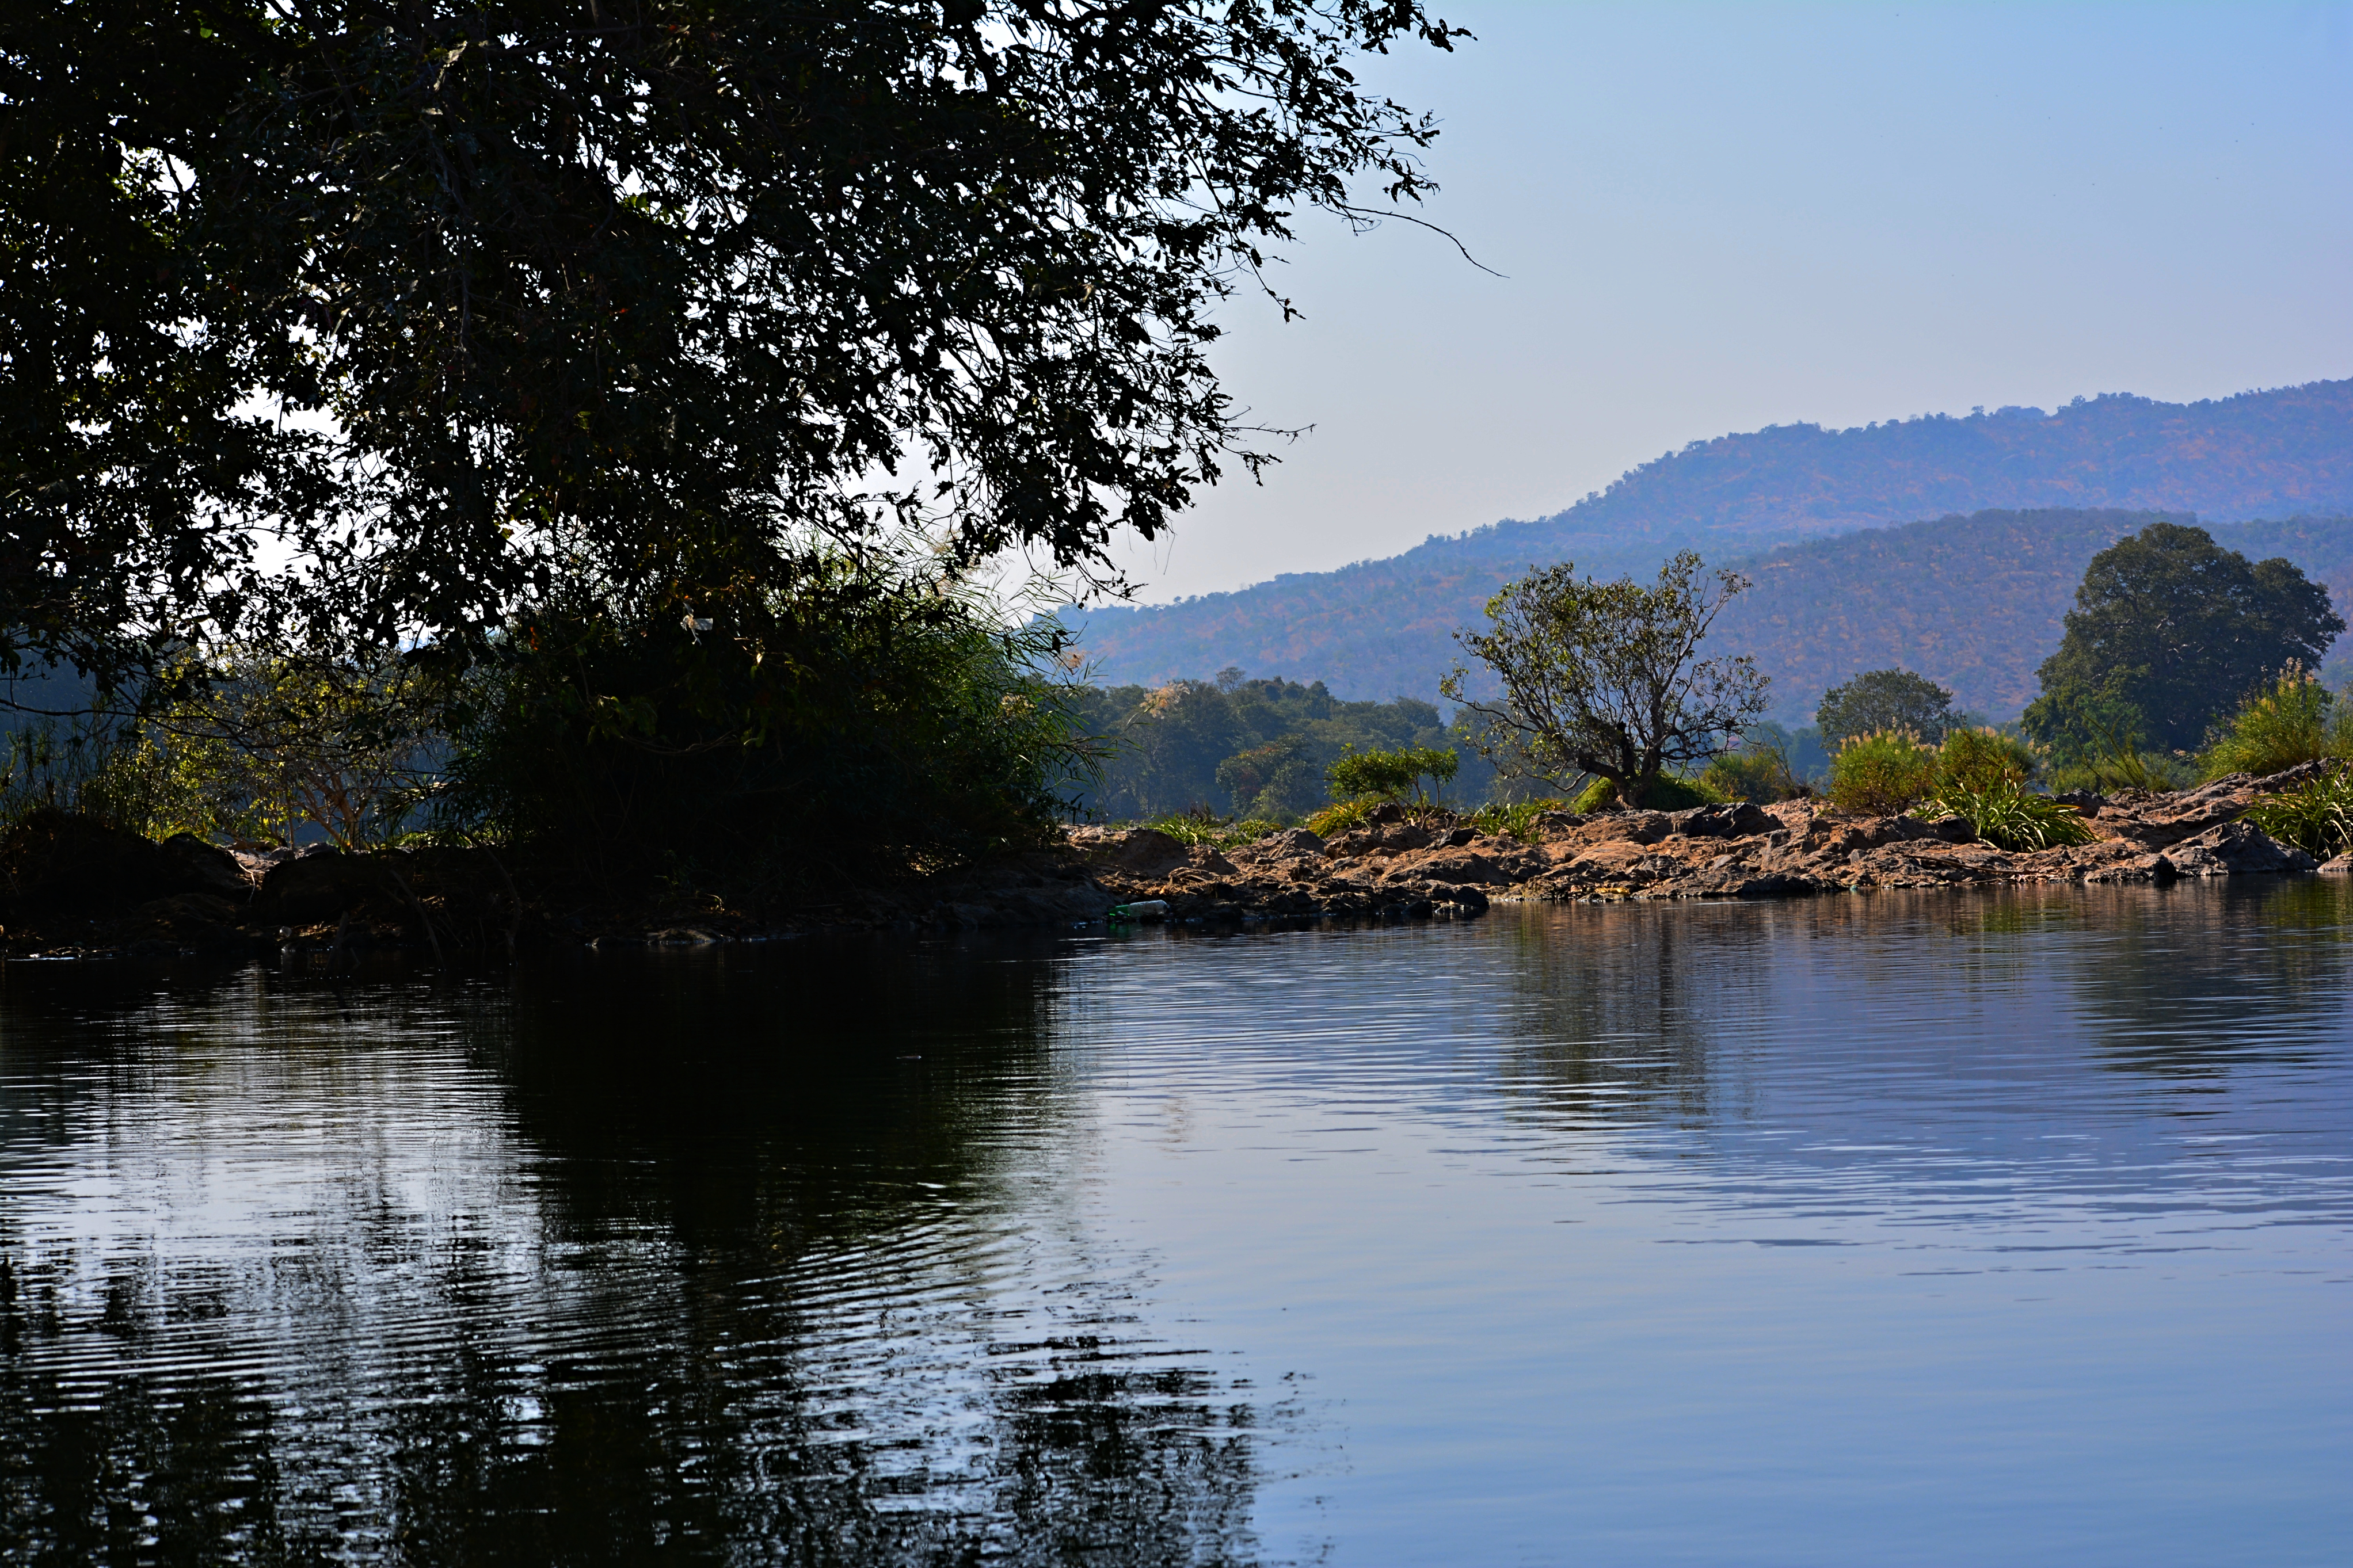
(1378, 628)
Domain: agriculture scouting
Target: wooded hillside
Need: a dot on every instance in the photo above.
(1380, 628)
(1975, 603)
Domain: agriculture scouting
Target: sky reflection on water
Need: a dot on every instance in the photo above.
(1872, 1230)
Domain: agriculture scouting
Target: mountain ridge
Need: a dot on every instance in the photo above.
(1377, 628)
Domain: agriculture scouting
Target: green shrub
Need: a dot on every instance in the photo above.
(2316, 816)
(1882, 774)
(1759, 777)
(1392, 775)
(1601, 795)
(2009, 816)
(1976, 761)
(1335, 820)
(1669, 793)
(1665, 793)
(2276, 727)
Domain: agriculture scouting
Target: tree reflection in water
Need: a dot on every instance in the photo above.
(663, 1261)
(1662, 1015)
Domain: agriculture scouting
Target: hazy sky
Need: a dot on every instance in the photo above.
(1718, 217)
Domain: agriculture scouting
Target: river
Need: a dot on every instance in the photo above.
(1877, 1229)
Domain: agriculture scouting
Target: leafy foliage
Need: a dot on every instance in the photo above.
(1886, 699)
(644, 298)
(1342, 816)
(1883, 774)
(2316, 816)
(1665, 793)
(351, 749)
(1751, 776)
(99, 768)
(2167, 625)
(1605, 678)
(1202, 825)
(2290, 722)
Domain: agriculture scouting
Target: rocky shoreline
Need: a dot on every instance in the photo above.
(70, 887)
(1398, 866)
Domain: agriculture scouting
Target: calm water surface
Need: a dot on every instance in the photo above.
(1870, 1230)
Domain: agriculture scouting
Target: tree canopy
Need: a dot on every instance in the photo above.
(1885, 700)
(459, 303)
(2170, 630)
(1605, 678)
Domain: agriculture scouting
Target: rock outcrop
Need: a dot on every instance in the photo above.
(1395, 867)
(72, 885)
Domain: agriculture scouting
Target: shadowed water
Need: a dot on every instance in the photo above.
(1885, 1229)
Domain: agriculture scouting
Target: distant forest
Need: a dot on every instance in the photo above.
(1247, 748)
(1380, 628)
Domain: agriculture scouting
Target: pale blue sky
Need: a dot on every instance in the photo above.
(1717, 218)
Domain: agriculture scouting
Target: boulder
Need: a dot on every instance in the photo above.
(201, 867)
(1736, 820)
(2167, 819)
(2237, 848)
(1385, 815)
(1206, 858)
(2137, 868)
(318, 887)
(1463, 865)
(1626, 828)
(62, 860)
(1291, 844)
(2340, 866)
(1147, 851)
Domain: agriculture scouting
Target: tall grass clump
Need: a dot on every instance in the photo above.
(2316, 816)
(2290, 722)
(1203, 825)
(1883, 774)
(1514, 819)
(2010, 816)
(1981, 776)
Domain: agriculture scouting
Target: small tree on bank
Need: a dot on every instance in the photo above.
(1392, 775)
(1885, 700)
(1604, 679)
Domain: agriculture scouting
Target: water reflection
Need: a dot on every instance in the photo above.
(671, 1263)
